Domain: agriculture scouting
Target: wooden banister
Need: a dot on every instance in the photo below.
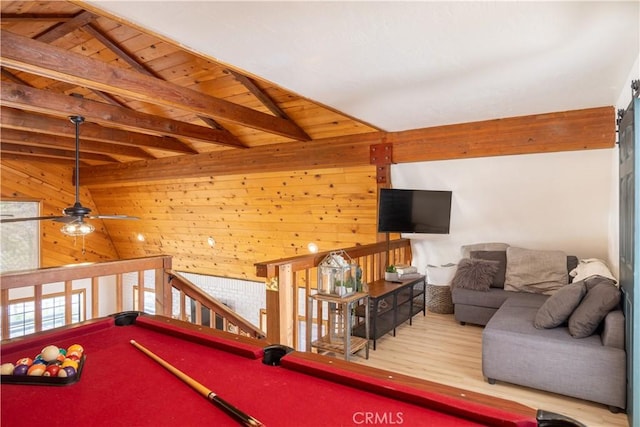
(111, 292)
(286, 277)
(233, 322)
(23, 278)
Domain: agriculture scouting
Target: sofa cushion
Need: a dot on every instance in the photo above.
(535, 271)
(501, 258)
(600, 299)
(475, 274)
(557, 309)
(492, 299)
(513, 350)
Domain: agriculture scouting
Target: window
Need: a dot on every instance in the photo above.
(22, 313)
(19, 241)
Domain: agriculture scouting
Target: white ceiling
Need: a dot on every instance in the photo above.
(407, 65)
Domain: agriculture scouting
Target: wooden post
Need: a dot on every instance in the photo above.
(119, 296)
(140, 290)
(280, 315)
(381, 155)
(160, 283)
(95, 297)
(287, 315)
(4, 302)
(37, 294)
(68, 292)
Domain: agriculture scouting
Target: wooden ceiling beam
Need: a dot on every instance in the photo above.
(36, 17)
(47, 102)
(25, 54)
(113, 46)
(592, 128)
(144, 69)
(68, 142)
(11, 118)
(63, 28)
(258, 93)
(52, 152)
(32, 159)
(346, 151)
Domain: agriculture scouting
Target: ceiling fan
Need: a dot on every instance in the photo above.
(73, 216)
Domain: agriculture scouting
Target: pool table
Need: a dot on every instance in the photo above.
(120, 385)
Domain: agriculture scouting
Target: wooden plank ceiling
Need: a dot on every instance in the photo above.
(143, 97)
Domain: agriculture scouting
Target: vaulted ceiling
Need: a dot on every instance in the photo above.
(142, 97)
(414, 64)
(302, 71)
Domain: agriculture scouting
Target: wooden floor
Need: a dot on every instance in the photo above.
(439, 349)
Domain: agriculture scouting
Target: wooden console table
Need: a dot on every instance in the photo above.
(338, 337)
(391, 304)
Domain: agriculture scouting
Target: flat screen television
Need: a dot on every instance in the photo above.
(414, 211)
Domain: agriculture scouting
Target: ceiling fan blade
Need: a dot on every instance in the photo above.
(35, 218)
(68, 219)
(112, 217)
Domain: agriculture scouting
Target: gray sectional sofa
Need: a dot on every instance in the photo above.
(591, 366)
(477, 307)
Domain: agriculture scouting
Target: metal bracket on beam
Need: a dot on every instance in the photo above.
(381, 155)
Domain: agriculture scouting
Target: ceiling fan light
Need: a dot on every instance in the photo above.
(77, 229)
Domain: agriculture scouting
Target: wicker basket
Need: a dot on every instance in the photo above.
(439, 299)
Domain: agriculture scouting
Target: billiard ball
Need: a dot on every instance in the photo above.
(75, 355)
(37, 361)
(36, 370)
(68, 371)
(52, 371)
(20, 370)
(75, 347)
(50, 352)
(6, 368)
(27, 361)
(70, 362)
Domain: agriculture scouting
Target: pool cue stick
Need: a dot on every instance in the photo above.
(244, 418)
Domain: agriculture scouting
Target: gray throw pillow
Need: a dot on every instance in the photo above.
(596, 279)
(599, 300)
(535, 271)
(501, 258)
(475, 274)
(559, 306)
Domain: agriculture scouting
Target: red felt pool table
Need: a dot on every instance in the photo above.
(120, 385)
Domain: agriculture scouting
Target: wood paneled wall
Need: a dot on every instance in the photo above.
(52, 185)
(253, 217)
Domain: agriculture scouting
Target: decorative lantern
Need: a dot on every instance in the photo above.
(338, 275)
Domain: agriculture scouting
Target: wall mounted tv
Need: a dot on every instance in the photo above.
(414, 211)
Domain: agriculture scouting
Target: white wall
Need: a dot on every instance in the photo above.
(540, 201)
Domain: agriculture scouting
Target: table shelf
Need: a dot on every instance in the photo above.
(404, 300)
(341, 313)
(327, 344)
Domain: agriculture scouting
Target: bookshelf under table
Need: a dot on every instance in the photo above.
(390, 305)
